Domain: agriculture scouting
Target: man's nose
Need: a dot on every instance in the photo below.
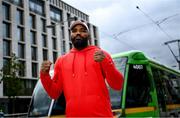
(78, 32)
(78, 35)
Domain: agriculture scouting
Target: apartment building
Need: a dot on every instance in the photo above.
(35, 30)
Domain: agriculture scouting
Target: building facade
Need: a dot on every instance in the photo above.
(25, 31)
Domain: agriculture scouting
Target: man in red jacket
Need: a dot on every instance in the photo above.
(81, 75)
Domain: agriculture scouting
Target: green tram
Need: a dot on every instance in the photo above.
(150, 90)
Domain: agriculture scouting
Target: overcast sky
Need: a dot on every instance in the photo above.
(123, 27)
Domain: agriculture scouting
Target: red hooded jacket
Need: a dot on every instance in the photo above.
(83, 82)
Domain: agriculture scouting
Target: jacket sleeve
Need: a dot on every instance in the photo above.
(112, 75)
(53, 86)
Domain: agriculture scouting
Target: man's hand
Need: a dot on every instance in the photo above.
(99, 56)
(45, 66)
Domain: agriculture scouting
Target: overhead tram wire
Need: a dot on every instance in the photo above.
(157, 24)
(112, 36)
(127, 30)
(166, 43)
(115, 36)
(164, 19)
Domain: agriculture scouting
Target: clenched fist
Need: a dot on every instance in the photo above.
(45, 66)
(99, 56)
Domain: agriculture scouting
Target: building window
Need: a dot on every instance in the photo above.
(6, 11)
(83, 16)
(43, 23)
(6, 48)
(6, 30)
(68, 17)
(95, 42)
(33, 37)
(27, 86)
(94, 31)
(60, 4)
(55, 14)
(21, 50)
(37, 6)
(19, 17)
(45, 54)
(20, 34)
(34, 53)
(44, 41)
(70, 46)
(63, 47)
(68, 8)
(29, 83)
(6, 61)
(69, 32)
(54, 43)
(65, 7)
(22, 68)
(32, 21)
(75, 12)
(53, 29)
(17, 2)
(34, 70)
(54, 56)
(63, 34)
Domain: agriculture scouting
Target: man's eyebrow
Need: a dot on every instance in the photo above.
(83, 28)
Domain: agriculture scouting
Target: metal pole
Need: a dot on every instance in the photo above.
(179, 54)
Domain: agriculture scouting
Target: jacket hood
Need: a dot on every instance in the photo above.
(85, 50)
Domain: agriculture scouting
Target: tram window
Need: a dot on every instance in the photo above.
(138, 87)
(115, 98)
(157, 75)
(37, 107)
(115, 95)
(173, 87)
(167, 87)
(59, 106)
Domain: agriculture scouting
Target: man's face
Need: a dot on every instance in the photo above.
(79, 37)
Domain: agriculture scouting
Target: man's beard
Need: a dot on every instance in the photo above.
(80, 43)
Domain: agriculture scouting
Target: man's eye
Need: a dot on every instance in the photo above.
(74, 31)
(83, 30)
(80, 31)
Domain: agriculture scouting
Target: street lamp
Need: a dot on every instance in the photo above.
(176, 57)
(59, 23)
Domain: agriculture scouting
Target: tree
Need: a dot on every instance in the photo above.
(11, 80)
